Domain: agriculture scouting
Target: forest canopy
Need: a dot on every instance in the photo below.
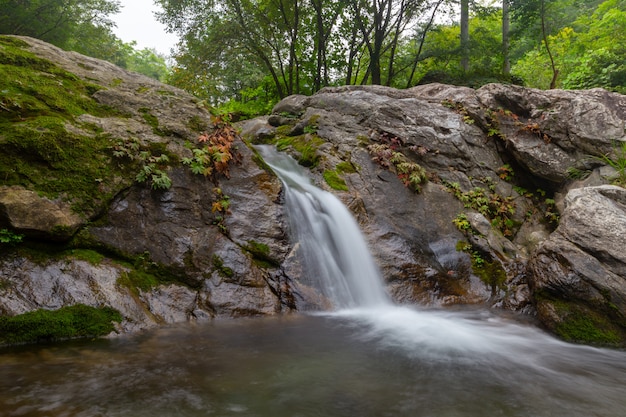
(256, 51)
(244, 55)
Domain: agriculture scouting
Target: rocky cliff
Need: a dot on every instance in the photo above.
(500, 196)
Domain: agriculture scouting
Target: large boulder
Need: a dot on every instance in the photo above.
(111, 216)
(578, 275)
(499, 161)
(495, 196)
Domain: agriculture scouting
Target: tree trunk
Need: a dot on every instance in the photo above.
(555, 71)
(422, 40)
(506, 21)
(465, 35)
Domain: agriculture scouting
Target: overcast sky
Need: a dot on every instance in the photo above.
(136, 22)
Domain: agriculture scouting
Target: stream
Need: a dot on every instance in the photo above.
(365, 357)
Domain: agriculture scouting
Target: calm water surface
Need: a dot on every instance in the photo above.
(388, 362)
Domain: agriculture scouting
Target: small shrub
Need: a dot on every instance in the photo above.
(9, 238)
(618, 162)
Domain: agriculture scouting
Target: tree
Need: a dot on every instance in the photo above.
(55, 21)
(506, 41)
(465, 46)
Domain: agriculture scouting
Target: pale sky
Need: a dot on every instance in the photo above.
(136, 22)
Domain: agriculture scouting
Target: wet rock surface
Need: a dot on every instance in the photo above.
(496, 197)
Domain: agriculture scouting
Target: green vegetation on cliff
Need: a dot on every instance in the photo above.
(43, 144)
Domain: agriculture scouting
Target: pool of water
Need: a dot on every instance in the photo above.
(391, 361)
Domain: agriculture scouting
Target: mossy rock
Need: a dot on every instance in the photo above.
(576, 322)
(334, 180)
(43, 146)
(78, 321)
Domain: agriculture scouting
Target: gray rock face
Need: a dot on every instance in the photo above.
(494, 150)
(583, 262)
(168, 255)
(25, 211)
(457, 192)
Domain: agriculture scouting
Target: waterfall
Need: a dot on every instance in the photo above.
(334, 251)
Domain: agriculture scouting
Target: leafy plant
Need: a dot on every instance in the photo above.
(505, 172)
(388, 155)
(222, 203)
(462, 222)
(500, 210)
(617, 162)
(10, 238)
(153, 171)
(217, 150)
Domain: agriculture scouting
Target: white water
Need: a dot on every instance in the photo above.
(367, 359)
(333, 248)
(337, 255)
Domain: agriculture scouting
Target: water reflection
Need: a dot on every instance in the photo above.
(398, 362)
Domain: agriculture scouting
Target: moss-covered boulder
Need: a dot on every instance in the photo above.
(118, 191)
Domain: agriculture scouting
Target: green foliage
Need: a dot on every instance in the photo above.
(335, 182)
(222, 270)
(498, 209)
(587, 41)
(9, 238)
(57, 22)
(78, 321)
(462, 223)
(618, 162)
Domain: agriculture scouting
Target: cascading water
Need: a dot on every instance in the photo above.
(330, 240)
(336, 254)
(368, 358)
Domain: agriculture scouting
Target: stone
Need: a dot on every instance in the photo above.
(498, 162)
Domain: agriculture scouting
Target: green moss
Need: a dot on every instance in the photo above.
(490, 272)
(138, 279)
(346, 167)
(222, 270)
(91, 256)
(76, 321)
(197, 124)
(260, 254)
(584, 325)
(151, 119)
(38, 150)
(335, 182)
(305, 145)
